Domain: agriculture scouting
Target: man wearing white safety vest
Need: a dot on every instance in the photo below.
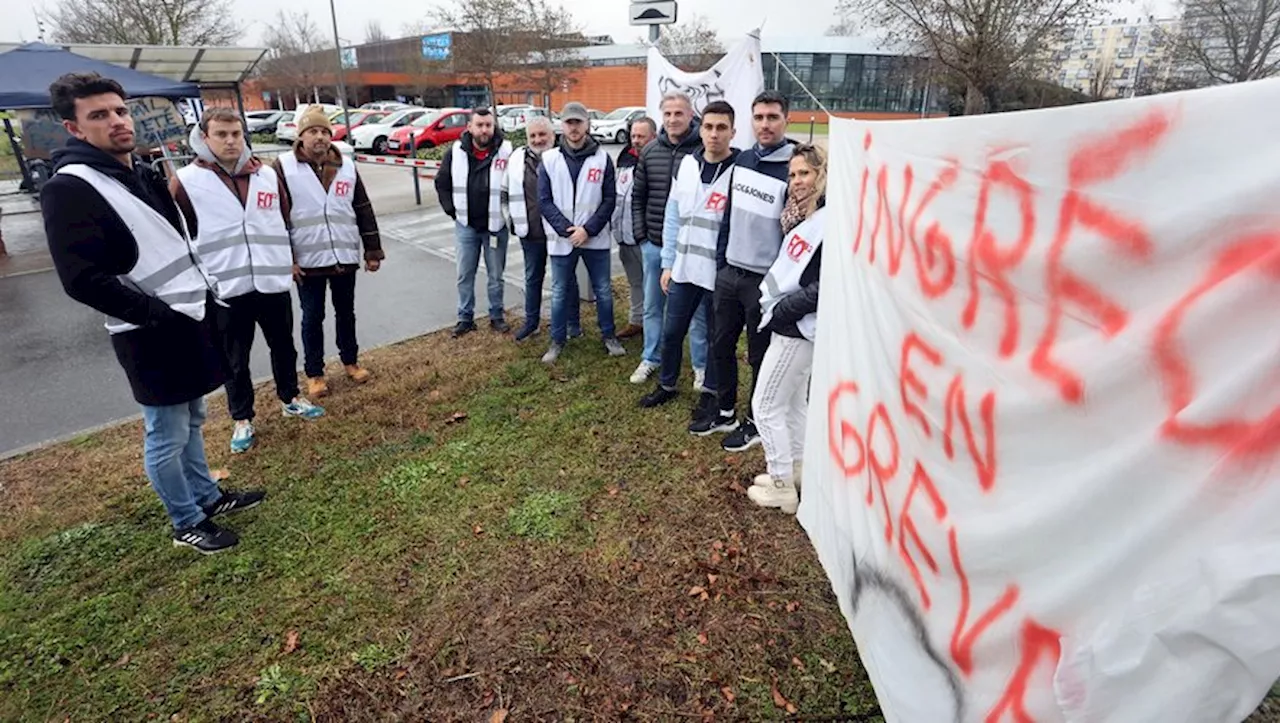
(694, 234)
(235, 210)
(469, 185)
(577, 192)
(117, 241)
(755, 233)
(520, 198)
(331, 219)
(643, 132)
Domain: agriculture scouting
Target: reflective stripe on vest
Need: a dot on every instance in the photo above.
(460, 169)
(784, 276)
(167, 268)
(245, 246)
(755, 225)
(702, 209)
(324, 222)
(517, 201)
(577, 205)
(623, 231)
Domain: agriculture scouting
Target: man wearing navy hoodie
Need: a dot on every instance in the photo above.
(118, 243)
(756, 199)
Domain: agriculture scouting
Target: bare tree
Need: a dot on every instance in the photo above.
(550, 62)
(488, 37)
(694, 37)
(144, 22)
(1102, 79)
(985, 45)
(295, 63)
(1230, 41)
(844, 28)
(373, 32)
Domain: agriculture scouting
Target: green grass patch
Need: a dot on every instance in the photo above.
(800, 131)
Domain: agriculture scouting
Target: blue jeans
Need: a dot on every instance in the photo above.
(470, 243)
(688, 312)
(655, 302)
(535, 272)
(173, 455)
(563, 268)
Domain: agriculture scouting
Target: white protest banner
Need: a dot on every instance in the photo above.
(736, 78)
(1043, 468)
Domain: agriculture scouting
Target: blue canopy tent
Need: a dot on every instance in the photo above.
(27, 70)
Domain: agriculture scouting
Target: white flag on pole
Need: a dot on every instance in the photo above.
(738, 78)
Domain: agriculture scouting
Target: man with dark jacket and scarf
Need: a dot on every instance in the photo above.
(331, 220)
(117, 241)
(520, 198)
(653, 174)
(236, 211)
(469, 184)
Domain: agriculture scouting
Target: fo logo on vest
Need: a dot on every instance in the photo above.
(797, 247)
(266, 200)
(595, 175)
(341, 188)
(717, 202)
(500, 164)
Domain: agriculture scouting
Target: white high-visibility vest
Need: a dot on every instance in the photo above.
(460, 169)
(245, 246)
(324, 222)
(702, 213)
(798, 248)
(517, 200)
(755, 223)
(578, 205)
(167, 268)
(623, 231)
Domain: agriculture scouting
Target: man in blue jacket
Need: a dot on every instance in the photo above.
(576, 194)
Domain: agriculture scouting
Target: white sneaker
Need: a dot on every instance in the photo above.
(700, 381)
(764, 480)
(643, 372)
(781, 494)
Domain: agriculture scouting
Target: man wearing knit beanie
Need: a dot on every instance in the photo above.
(331, 218)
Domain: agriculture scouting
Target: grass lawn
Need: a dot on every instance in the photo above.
(470, 533)
(800, 131)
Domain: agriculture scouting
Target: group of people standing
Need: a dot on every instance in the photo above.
(714, 241)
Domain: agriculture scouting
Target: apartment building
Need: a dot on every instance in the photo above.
(1115, 59)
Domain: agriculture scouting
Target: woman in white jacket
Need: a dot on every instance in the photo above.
(789, 301)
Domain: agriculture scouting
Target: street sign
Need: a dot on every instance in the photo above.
(653, 13)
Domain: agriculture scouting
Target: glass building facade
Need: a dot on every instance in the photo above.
(845, 82)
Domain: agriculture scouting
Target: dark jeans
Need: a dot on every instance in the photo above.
(535, 273)
(238, 325)
(683, 302)
(565, 268)
(311, 296)
(737, 304)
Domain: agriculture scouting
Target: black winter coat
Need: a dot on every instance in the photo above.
(654, 173)
(477, 181)
(171, 359)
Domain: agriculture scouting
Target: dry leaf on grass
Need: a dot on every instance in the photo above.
(711, 579)
(715, 558)
(478, 530)
(124, 660)
(457, 417)
(220, 474)
(499, 716)
(781, 702)
(717, 545)
(702, 638)
(727, 693)
(696, 590)
(796, 662)
(793, 606)
(290, 642)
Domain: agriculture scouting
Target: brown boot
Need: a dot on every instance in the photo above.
(317, 387)
(630, 330)
(357, 374)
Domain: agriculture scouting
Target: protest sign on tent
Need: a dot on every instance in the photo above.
(1043, 469)
(736, 78)
(156, 121)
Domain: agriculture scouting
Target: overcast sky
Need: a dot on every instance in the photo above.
(600, 17)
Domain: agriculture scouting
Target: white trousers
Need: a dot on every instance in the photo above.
(781, 402)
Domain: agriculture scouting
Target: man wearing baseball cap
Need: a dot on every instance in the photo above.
(577, 193)
(331, 219)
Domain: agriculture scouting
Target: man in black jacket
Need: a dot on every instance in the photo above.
(117, 242)
(653, 174)
(469, 184)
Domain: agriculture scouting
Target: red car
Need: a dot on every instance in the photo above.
(429, 131)
(358, 118)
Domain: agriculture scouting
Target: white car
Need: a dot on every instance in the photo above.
(373, 137)
(385, 105)
(287, 130)
(286, 119)
(616, 126)
(515, 119)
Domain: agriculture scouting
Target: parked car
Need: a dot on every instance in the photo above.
(429, 131)
(616, 126)
(262, 121)
(288, 130)
(358, 118)
(286, 118)
(385, 105)
(374, 136)
(517, 118)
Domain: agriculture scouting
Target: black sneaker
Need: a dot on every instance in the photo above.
(526, 331)
(499, 325)
(706, 408)
(205, 538)
(659, 396)
(713, 423)
(743, 438)
(234, 502)
(463, 328)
